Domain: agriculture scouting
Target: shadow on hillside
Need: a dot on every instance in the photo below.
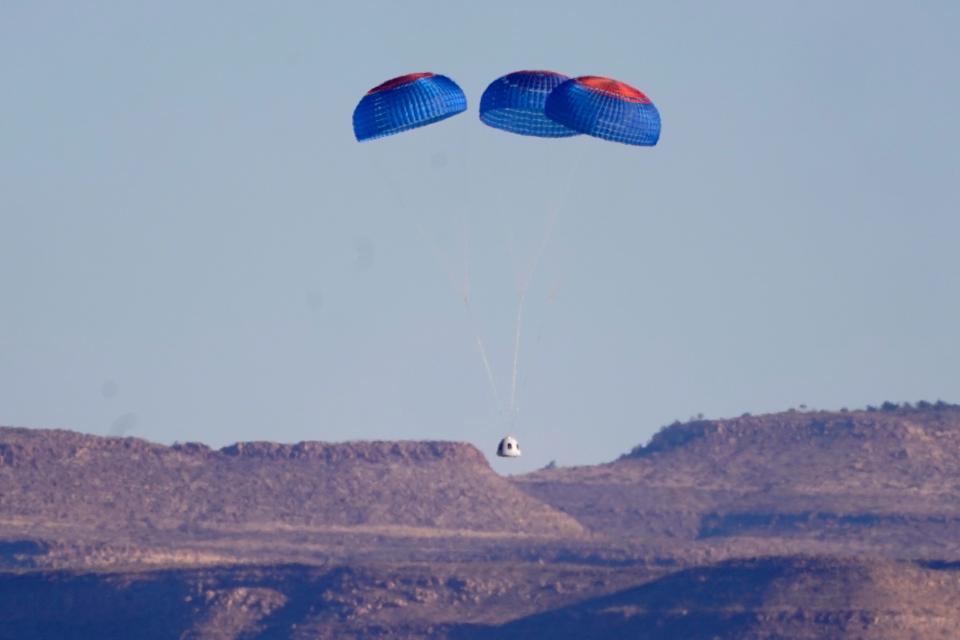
(690, 604)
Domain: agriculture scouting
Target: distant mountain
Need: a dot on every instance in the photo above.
(889, 479)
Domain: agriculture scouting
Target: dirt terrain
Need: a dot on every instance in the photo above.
(797, 524)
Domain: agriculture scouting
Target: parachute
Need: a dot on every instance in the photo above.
(605, 108)
(542, 104)
(406, 102)
(515, 103)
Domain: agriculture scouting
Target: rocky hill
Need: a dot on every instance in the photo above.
(65, 485)
(881, 480)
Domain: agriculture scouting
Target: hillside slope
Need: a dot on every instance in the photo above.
(892, 476)
(61, 480)
(778, 597)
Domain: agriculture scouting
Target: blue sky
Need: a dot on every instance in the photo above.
(193, 246)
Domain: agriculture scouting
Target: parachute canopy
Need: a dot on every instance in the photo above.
(407, 102)
(515, 103)
(605, 108)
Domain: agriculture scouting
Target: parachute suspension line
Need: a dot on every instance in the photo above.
(468, 308)
(486, 360)
(516, 360)
(524, 285)
(524, 281)
(462, 289)
(466, 162)
(466, 254)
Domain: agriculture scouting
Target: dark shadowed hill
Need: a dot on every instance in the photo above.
(765, 599)
(889, 479)
(75, 484)
(777, 597)
(383, 600)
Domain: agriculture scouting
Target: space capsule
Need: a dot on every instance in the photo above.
(509, 448)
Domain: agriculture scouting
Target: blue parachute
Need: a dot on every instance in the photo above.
(407, 102)
(515, 103)
(605, 108)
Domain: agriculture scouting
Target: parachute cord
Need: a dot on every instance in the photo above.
(524, 281)
(474, 325)
(551, 223)
(466, 151)
(486, 361)
(462, 289)
(467, 159)
(466, 255)
(516, 361)
(521, 298)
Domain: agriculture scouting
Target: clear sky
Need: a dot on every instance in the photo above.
(194, 247)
